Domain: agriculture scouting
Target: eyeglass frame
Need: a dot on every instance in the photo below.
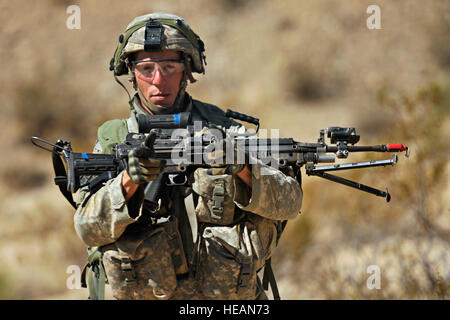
(158, 60)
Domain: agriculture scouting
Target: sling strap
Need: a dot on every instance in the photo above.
(61, 177)
(269, 277)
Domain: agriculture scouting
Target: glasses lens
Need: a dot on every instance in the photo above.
(148, 69)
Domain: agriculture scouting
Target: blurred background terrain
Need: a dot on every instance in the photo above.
(299, 66)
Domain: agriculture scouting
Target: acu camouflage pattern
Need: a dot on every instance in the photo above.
(227, 268)
(226, 257)
(101, 218)
(144, 265)
(140, 268)
(274, 195)
(215, 204)
(231, 256)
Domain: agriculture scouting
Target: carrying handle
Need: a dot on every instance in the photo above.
(243, 117)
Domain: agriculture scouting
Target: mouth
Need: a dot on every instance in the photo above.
(159, 96)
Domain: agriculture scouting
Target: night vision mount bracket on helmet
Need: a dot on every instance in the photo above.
(153, 36)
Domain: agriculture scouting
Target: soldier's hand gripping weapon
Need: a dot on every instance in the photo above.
(183, 148)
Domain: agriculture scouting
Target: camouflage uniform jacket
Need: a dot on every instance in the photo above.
(191, 254)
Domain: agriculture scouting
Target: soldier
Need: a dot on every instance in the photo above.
(211, 237)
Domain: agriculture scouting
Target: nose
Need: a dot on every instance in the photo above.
(158, 77)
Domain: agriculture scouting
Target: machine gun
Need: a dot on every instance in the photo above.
(184, 148)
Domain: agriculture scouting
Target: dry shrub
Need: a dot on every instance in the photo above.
(420, 121)
(440, 36)
(42, 243)
(408, 238)
(307, 82)
(20, 175)
(48, 105)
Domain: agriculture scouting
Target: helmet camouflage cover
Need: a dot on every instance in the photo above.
(156, 32)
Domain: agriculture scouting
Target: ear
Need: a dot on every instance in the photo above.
(131, 77)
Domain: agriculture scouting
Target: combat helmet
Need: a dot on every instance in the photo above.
(156, 32)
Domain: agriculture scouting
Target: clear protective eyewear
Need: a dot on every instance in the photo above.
(166, 67)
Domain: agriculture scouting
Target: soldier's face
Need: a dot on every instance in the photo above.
(159, 89)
